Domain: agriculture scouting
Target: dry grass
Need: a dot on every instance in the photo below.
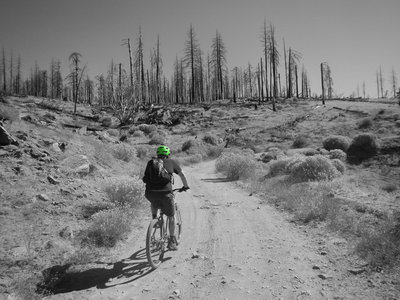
(235, 166)
(124, 152)
(125, 191)
(8, 113)
(146, 128)
(157, 139)
(108, 227)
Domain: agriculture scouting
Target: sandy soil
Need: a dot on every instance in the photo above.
(235, 247)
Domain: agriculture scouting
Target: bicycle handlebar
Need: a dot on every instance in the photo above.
(180, 190)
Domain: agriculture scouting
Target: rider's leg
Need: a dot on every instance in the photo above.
(171, 221)
(153, 211)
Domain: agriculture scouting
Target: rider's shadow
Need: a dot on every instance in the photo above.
(122, 272)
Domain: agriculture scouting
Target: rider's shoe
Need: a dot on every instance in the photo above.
(172, 244)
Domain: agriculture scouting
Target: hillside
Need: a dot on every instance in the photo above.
(61, 172)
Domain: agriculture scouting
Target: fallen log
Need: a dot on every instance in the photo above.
(351, 111)
(88, 128)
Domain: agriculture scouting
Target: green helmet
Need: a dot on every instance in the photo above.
(163, 150)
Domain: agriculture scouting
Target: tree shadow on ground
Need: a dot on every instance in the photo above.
(122, 272)
(217, 180)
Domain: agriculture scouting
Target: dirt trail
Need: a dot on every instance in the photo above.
(233, 248)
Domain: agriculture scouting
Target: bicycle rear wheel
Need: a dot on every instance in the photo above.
(155, 243)
(178, 229)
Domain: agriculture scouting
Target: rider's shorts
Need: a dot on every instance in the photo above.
(163, 200)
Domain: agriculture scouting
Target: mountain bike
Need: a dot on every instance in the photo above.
(158, 234)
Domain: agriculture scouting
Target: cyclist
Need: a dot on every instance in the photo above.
(160, 195)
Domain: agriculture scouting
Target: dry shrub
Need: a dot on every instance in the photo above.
(310, 202)
(389, 188)
(380, 245)
(210, 139)
(235, 166)
(132, 129)
(300, 141)
(339, 165)
(336, 142)
(141, 152)
(307, 201)
(113, 132)
(214, 151)
(108, 227)
(365, 123)
(138, 134)
(273, 153)
(125, 191)
(362, 147)
(25, 287)
(285, 166)
(191, 159)
(337, 154)
(194, 131)
(193, 147)
(8, 114)
(314, 168)
(157, 138)
(146, 128)
(124, 152)
(106, 122)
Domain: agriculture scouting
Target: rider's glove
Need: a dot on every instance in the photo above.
(184, 189)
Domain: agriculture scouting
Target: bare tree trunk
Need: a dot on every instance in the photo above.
(4, 72)
(11, 73)
(286, 69)
(261, 78)
(290, 82)
(377, 83)
(363, 89)
(322, 83)
(251, 88)
(258, 85)
(381, 81)
(297, 82)
(394, 82)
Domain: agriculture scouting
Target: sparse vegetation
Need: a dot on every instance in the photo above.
(313, 187)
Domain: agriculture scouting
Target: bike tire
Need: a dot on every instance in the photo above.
(155, 245)
(178, 233)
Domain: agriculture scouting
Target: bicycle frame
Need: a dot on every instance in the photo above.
(156, 242)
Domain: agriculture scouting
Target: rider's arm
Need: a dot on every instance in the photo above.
(183, 178)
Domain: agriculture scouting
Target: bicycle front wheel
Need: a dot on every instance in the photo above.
(178, 229)
(155, 244)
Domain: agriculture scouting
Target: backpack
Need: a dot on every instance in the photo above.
(158, 176)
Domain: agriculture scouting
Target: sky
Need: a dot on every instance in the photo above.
(355, 37)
